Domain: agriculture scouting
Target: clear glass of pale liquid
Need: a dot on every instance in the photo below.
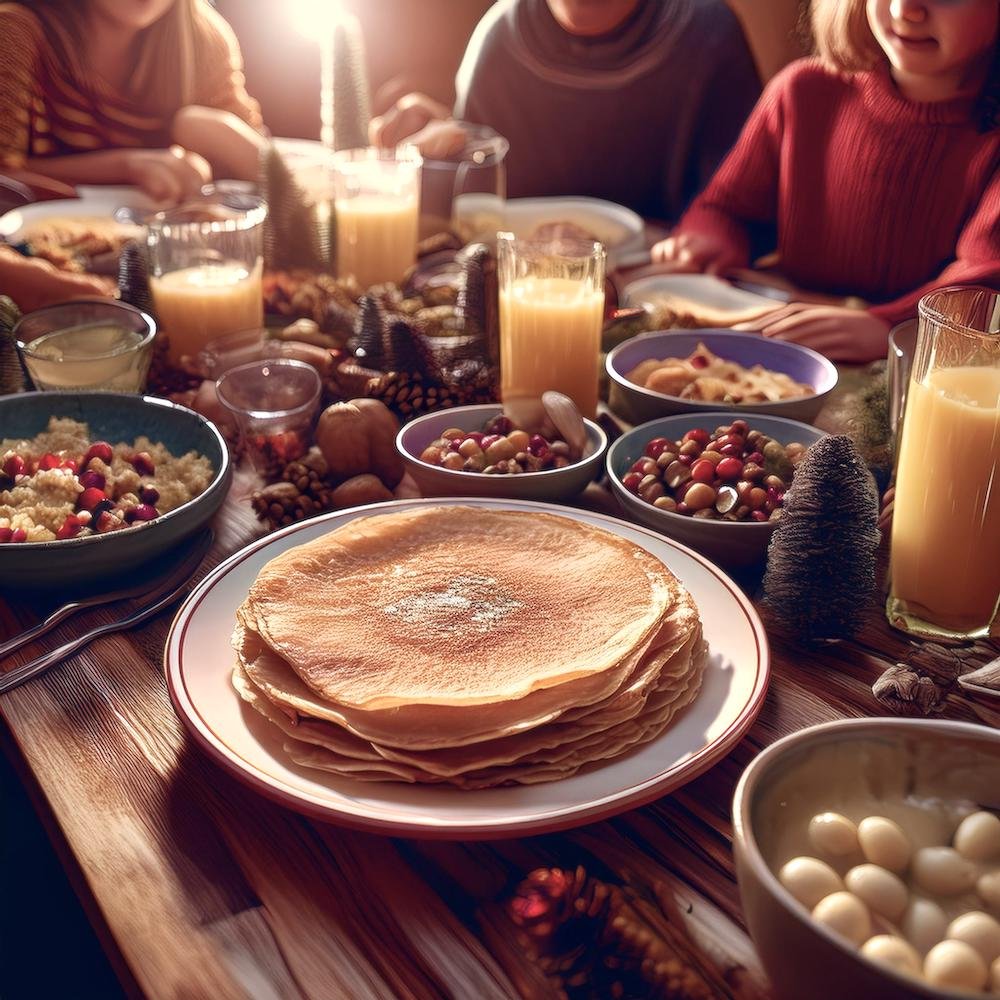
(376, 204)
(87, 344)
(551, 314)
(945, 554)
(206, 266)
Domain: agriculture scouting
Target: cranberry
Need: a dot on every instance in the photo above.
(70, 527)
(698, 434)
(500, 425)
(758, 515)
(149, 494)
(656, 446)
(90, 498)
(698, 361)
(703, 471)
(5, 534)
(733, 450)
(740, 427)
(729, 469)
(143, 512)
(92, 480)
(105, 521)
(681, 508)
(49, 461)
(142, 462)
(19, 535)
(72, 464)
(13, 466)
(756, 457)
(644, 466)
(538, 446)
(99, 449)
(631, 481)
(489, 439)
(686, 459)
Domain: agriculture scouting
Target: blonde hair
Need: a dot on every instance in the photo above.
(844, 40)
(168, 54)
(842, 35)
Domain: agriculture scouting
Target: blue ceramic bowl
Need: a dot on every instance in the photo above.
(638, 404)
(102, 559)
(733, 544)
(435, 481)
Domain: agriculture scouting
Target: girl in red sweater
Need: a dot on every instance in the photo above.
(878, 163)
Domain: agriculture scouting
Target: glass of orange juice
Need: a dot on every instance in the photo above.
(376, 204)
(551, 314)
(945, 555)
(205, 270)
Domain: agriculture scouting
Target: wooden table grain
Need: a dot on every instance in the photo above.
(198, 887)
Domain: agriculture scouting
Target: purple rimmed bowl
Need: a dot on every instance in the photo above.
(638, 404)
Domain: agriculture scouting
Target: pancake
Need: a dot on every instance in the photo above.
(466, 646)
(456, 606)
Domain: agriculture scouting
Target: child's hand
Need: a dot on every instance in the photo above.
(688, 252)
(840, 333)
(168, 176)
(405, 118)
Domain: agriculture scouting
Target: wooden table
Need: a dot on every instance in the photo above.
(200, 888)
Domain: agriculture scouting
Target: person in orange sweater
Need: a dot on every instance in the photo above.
(143, 92)
(877, 166)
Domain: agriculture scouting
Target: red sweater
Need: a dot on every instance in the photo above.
(872, 194)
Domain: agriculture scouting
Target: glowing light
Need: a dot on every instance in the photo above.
(316, 18)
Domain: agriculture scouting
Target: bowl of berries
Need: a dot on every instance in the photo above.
(709, 481)
(478, 451)
(94, 485)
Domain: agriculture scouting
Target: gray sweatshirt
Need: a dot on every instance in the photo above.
(641, 116)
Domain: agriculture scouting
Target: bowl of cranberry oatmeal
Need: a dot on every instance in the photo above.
(95, 485)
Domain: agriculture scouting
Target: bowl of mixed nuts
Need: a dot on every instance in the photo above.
(710, 481)
(478, 451)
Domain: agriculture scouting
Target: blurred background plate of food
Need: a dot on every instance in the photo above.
(707, 369)
(696, 300)
(618, 228)
(79, 234)
(198, 665)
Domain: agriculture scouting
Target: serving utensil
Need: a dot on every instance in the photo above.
(169, 589)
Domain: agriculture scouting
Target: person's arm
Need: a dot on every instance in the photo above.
(744, 189)
(977, 259)
(35, 283)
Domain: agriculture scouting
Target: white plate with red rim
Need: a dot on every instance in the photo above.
(199, 658)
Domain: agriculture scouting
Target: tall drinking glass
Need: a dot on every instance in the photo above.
(206, 265)
(376, 195)
(551, 313)
(945, 556)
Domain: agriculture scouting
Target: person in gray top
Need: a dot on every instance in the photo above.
(635, 101)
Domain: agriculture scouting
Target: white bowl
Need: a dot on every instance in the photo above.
(435, 481)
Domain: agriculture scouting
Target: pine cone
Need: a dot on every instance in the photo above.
(405, 393)
(473, 382)
(410, 351)
(279, 504)
(477, 304)
(369, 343)
(12, 376)
(133, 277)
(821, 560)
(163, 378)
(309, 475)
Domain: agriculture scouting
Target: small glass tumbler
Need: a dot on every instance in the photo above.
(551, 314)
(902, 347)
(945, 555)
(206, 261)
(376, 196)
(274, 403)
(95, 344)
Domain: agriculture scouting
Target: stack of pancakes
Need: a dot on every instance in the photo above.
(465, 645)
